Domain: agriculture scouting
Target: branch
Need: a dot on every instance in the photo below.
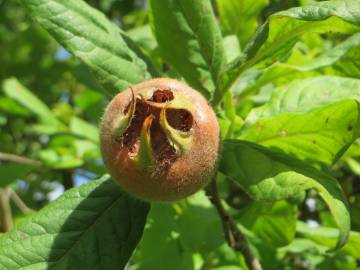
(233, 236)
(5, 210)
(19, 202)
(18, 159)
(67, 180)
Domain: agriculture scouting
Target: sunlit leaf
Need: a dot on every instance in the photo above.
(320, 135)
(15, 90)
(342, 57)
(86, 33)
(240, 17)
(276, 38)
(190, 40)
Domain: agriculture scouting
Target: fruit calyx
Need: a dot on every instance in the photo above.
(155, 127)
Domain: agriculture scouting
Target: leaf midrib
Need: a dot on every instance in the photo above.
(112, 204)
(194, 31)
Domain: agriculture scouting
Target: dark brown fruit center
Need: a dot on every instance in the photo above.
(180, 119)
(162, 96)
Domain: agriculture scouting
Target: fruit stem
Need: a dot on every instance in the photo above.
(18, 159)
(20, 203)
(233, 235)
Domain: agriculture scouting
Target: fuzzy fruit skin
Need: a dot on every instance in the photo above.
(188, 173)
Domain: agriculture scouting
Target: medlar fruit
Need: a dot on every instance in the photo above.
(160, 140)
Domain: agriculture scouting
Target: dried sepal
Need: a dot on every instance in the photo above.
(123, 120)
(181, 139)
(145, 156)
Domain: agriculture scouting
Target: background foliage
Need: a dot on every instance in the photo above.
(290, 123)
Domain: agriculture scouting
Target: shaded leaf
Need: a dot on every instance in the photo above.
(12, 172)
(228, 267)
(198, 214)
(302, 245)
(95, 226)
(169, 253)
(272, 176)
(273, 223)
(180, 230)
(326, 236)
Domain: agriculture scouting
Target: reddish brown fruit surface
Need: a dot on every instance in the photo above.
(160, 140)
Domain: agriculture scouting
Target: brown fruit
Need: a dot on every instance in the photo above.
(160, 140)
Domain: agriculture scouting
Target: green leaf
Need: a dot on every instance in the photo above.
(12, 172)
(230, 123)
(15, 90)
(340, 54)
(272, 176)
(278, 35)
(301, 246)
(320, 135)
(143, 36)
(86, 33)
(198, 220)
(228, 267)
(52, 159)
(306, 95)
(240, 17)
(273, 223)
(95, 226)
(232, 48)
(350, 65)
(326, 236)
(341, 57)
(3, 120)
(140, 54)
(68, 152)
(190, 40)
(161, 231)
(354, 165)
(9, 105)
(84, 129)
(275, 39)
(179, 230)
